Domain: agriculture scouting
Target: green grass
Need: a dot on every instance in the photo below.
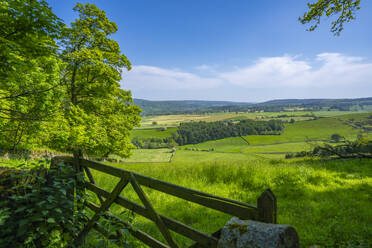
(211, 157)
(147, 156)
(153, 133)
(233, 144)
(328, 202)
(320, 129)
(276, 148)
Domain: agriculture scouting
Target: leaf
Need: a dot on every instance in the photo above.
(21, 209)
(51, 220)
(23, 222)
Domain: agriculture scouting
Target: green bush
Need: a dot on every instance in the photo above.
(39, 212)
(38, 207)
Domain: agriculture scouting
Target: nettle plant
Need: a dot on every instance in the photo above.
(38, 207)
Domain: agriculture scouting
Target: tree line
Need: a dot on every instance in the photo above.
(197, 132)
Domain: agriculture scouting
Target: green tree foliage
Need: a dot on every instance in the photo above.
(343, 9)
(29, 68)
(336, 137)
(361, 147)
(154, 143)
(97, 115)
(197, 132)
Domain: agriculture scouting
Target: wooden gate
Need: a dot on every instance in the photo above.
(264, 212)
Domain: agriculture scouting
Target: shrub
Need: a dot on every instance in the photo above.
(38, 207)
(39, 212)
(336, 137)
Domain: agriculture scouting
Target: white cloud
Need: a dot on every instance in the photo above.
(268, 72)
(334, 69)
(143, 76)
(328, 71)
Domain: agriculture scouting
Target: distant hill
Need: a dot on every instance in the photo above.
(198, 107)
(179, 107)
(316, 101)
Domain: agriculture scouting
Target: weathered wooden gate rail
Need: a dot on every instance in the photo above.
(265, 210)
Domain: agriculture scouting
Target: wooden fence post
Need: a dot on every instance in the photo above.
(79, 186)
(267, 207)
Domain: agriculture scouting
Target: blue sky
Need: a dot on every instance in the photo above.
(236, 50)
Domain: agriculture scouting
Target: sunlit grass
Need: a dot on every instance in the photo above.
(147, 155)
(328, 202)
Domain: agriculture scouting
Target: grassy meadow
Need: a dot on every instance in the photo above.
(327, 201)
(147, 155)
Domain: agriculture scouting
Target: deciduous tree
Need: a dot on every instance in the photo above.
(98, 115)
(30, 68)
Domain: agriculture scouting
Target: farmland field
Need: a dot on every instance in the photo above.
(174, 120)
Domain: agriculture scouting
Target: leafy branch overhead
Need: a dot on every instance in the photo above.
(344, 10)
(59, 84)
(30, 69)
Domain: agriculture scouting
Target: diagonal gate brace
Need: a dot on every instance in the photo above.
(104, 207)
(158, 221)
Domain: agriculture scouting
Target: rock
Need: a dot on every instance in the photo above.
(253, 234)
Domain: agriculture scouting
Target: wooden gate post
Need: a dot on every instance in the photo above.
(267, 207)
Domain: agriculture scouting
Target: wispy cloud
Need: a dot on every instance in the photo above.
(327, 71)
(144, 76)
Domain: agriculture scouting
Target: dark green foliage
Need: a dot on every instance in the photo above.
(197, 132)
(360, 148)
(39, 211)
(336, 137)
(153, 143)
(38, 208)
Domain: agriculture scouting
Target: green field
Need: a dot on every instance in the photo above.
(299, 136)
(153, 133)
(147, 156)
(328, 202)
